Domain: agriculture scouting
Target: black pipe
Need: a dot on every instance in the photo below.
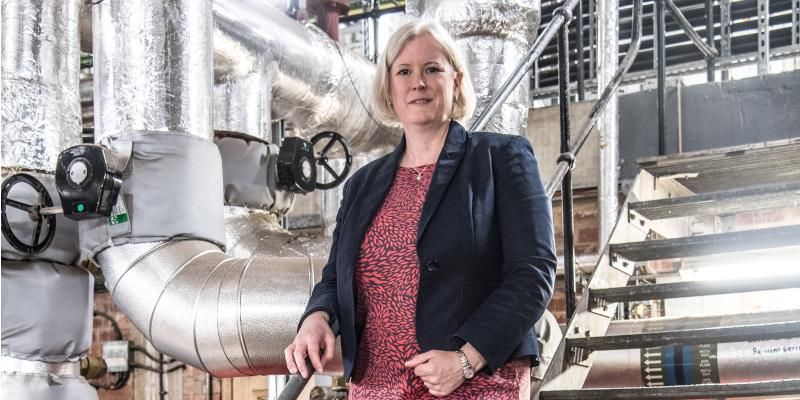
(579, 38)
(661, 56)
(162, 394)
(600, 105)
(296, 383)
(710, 38)
(210, 379)
(566, 183)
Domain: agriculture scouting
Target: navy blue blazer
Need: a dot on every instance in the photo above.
(485, 246)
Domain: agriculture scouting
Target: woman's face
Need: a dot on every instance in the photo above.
(422, 83)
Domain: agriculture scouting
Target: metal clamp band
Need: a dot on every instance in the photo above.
(20, 366)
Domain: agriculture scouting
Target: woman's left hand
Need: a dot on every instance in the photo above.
(439, 370)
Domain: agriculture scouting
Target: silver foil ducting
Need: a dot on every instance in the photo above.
(151, 64)
(228, 316)
(493, 36)
(244, 105)
(315, 85)
(608, 56)
(40, 63)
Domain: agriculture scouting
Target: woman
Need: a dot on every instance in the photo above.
(442, 257)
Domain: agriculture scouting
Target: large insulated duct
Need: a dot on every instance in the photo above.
(608, 55)
(40, 111)
(493, 35)
(696, 364)
(46, 301)
(166, 271)
(315, 85)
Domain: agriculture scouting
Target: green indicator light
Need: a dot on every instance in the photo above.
(80, 207)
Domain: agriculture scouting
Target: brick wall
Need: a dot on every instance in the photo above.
(188, 384)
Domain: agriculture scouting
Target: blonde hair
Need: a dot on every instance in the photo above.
(463, 105)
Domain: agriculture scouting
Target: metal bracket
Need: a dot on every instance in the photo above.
(622, 264)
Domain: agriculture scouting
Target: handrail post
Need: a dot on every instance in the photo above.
(579, 45)
(566, 153)
(710, 39)
(661, 56)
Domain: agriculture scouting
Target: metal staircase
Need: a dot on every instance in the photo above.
(673, 212)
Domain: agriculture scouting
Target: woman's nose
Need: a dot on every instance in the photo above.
(419, 83)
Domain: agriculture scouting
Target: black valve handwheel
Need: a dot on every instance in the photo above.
(328, 141)
(38, 244)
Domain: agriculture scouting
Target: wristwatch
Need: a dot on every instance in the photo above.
(466, 368)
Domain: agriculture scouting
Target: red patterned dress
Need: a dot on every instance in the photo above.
(386, 285)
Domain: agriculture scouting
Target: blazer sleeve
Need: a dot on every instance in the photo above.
(324, 295)
(525, 223)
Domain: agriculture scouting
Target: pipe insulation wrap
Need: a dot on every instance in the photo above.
(313, 89)
(165, 173)
(493, 36)
(229, 316)
(244, 104)
(249, 175)
(152, 62)
(41, 112)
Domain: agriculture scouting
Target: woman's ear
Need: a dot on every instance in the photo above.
(457, 84)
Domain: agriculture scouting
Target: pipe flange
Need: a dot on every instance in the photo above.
(566, 12)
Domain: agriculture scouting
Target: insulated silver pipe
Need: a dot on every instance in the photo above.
(40, 62)
(608, 54)
(315, 85)
(711, 363)
(152, 67)
(244, 104)
(228, 316)
(494, 37)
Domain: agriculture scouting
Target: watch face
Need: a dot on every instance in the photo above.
(469, 373)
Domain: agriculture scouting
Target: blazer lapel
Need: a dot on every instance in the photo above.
(376, 189)
(449, 160)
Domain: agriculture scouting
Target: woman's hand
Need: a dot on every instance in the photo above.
(439, 370)
(314, 337)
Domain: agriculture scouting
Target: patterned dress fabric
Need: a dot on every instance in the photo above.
(386, 286)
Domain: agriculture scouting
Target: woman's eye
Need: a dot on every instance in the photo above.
(402, 71)
(431, 70)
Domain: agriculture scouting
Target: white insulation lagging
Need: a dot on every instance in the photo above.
(40, 64)
(228, 316)
(493, 36)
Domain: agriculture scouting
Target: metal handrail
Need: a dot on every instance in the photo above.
(559, 17)
(707, 49)
(600, 105)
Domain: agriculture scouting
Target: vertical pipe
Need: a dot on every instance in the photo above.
(608, 50)
(153, 67)
(661, 58)
(566, 183)
(579, 40)
(162, 394)
(592, 42)
(763, 37)
(375, 31)
(725, 32)
(210, 388)
(710, 39)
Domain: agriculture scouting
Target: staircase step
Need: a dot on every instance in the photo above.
(693, 289)
(730, 168)
(715, 203)
(714, 391)
(702, 245)
(727, 334)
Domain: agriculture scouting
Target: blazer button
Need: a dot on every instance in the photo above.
(433, 265)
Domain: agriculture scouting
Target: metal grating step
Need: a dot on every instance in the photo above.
(710, 391)
(730, 168)
(727, 334)
(715, 203)
(693, 288)
(709, 244)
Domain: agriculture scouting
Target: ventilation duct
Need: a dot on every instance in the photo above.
(493, 35)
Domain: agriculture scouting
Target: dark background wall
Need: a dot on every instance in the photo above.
(713, 115)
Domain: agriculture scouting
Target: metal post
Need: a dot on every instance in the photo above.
(375, 9)
(592, 43)
(579, 39)
(763, 37)
(566, 184)
(608, 62)
(725, 33)
(661, 57)
(710, 39)
(210, 380)
(162, 394)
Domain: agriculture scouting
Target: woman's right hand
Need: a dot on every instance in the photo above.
(314, 338)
